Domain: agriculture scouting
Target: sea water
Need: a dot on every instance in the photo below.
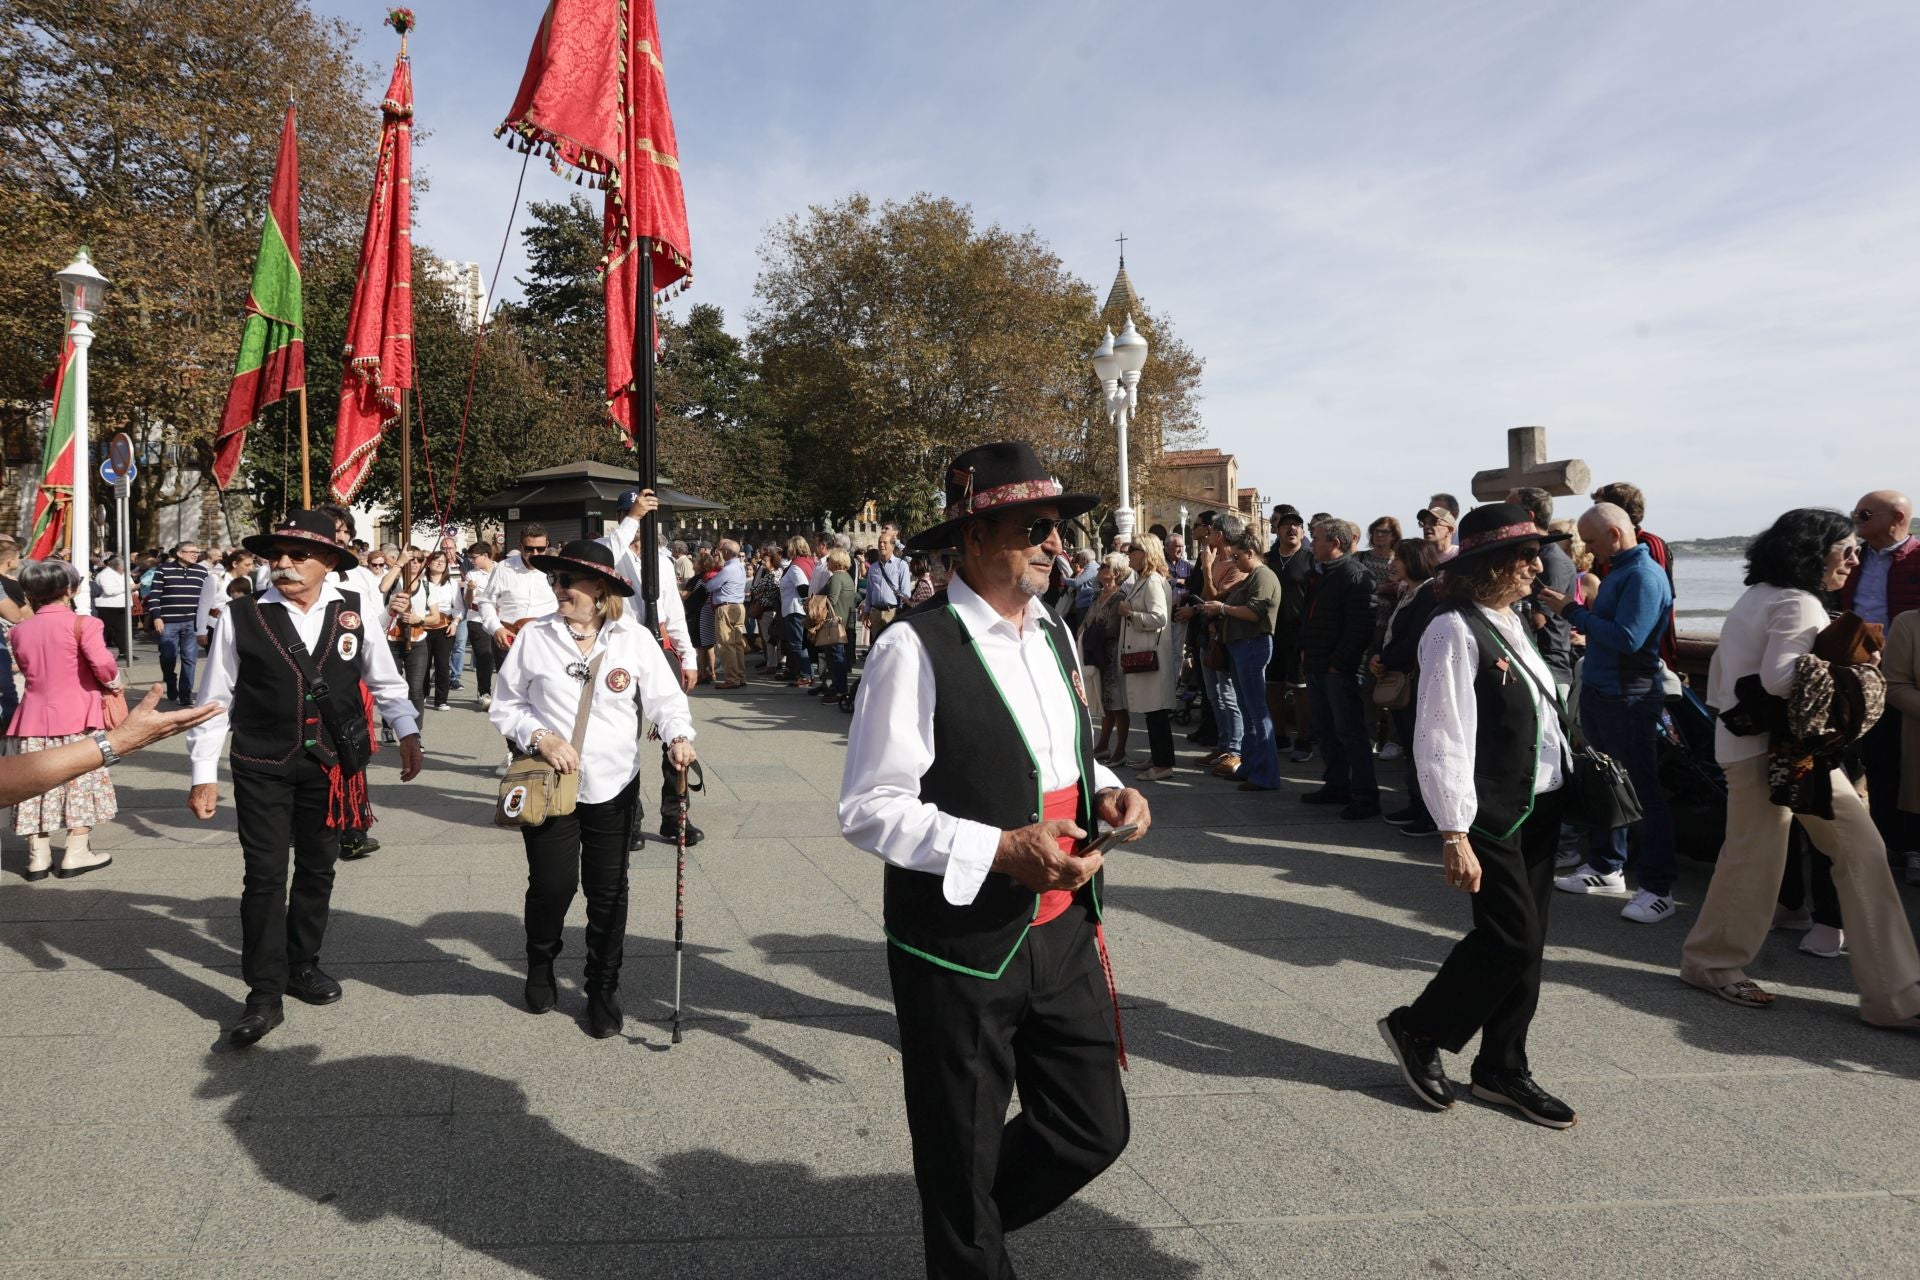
(1705, 587)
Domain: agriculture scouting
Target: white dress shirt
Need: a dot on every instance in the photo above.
(1448, 718)
(792, 578)
(890, 742)
(435, 597)
(113, 589)
(673, 610)
(365, 583)
(1766, 632)
(222, 664)
(213, 594)
(533, 691)
(512, 593)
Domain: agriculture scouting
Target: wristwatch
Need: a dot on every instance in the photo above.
(108, 756)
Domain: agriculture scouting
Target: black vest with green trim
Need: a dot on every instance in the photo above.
(1506, 748)
(981, 771)
(272, 719)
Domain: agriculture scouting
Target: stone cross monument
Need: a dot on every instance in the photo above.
(1527, 466)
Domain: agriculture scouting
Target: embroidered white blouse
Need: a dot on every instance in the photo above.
(1447, 718)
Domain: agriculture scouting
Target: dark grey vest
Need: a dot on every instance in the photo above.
(1507, 747)
(272, 719)
(981, 771)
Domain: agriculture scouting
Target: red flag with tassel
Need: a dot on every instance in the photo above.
(594, 98)
(378, 357)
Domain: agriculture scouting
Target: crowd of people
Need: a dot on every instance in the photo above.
(1512, 672)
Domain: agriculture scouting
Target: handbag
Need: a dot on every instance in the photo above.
(1393, 691)
(534, 790)
(113, 702)
(1139, 661)
(1599, 792)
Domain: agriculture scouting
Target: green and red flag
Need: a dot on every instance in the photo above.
(273, 358)
(53, 500)
(377, 359)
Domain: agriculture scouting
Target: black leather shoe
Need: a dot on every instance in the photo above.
(1361, 809)
(1420, 827)
(1200, 739)
(254, 1023)
(313, 987)
(1419, 1060)
(541, 993)
(1400, 817)
(638, 840)
(1517, 1089)
(1326, 795)
(671, 834)
(604, 1015)
(359, 848)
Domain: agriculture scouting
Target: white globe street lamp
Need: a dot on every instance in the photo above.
(1117, 362)
(81, 291)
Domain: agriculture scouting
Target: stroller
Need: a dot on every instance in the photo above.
(1695, 787)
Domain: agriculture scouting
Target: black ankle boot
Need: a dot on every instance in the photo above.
(540, 989)
(604, 1015)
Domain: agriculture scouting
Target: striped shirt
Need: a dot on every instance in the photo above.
(176, 591)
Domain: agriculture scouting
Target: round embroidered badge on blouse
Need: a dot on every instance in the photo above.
(349, 621)
(619, 679)
(1079, 686)
(349, 645)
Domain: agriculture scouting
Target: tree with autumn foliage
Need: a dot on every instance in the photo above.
(892, 336)
(148, 132)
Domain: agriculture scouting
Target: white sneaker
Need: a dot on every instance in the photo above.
(486, 700)
(442, 706)
(1392, 751)
(1825, 941)
(1647, 908)
(1568, 859)
(1587, 880)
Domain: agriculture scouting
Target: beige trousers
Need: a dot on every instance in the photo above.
(730, 636)
(1738, 912)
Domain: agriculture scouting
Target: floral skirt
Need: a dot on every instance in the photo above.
(87, 801)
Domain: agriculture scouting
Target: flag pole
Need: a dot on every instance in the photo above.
(406, 472)
(645, 437)
(306, 461)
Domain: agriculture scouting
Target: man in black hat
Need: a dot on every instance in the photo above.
(970, 772)
(293, 666)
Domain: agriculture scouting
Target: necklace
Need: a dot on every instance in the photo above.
(583, 637)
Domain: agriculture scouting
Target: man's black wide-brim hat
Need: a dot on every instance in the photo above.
(995, 479)
(1496, 527)
(301, 527)
(584, 555)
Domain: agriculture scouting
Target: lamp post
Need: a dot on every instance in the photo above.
(81, 289)
(1117, 362)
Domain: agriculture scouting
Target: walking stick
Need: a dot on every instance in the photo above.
(680, 893)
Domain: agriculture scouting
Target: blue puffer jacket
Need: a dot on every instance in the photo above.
(1624, 624)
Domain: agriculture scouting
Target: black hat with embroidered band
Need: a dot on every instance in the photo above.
(585, 556)
(1496, 527)
(997, 479)
(302, 528)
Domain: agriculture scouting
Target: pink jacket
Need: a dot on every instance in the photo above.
(65, 675)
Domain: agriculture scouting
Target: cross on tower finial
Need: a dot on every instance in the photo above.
(1122, 241)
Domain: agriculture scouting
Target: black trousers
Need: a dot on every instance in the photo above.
(583, 849)
(1809, 873)
(1490, 982)
(282, 931)
(431, 655)
(671, 804)
(1046, 1025)
(1160, 737)
(480, 653)
(1880, 756)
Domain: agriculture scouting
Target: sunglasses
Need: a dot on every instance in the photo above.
(299, 555)
(562, 580)
(1850, 553)
(1861, 517)
(1042, 529)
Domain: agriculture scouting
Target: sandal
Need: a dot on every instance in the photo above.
(1747, 993)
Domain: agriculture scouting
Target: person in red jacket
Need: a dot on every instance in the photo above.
(1883, 585)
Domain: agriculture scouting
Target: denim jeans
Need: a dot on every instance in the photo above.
(177, 643)
(1226, 709)
(1625, 729)
(1340, 725)
(838, 663)
(459, 663)
(1258, 755)
(1403, 730)
(799, 660)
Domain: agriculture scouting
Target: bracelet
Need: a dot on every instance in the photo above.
(533, 743)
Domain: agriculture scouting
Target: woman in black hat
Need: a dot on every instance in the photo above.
(588, 650)
(1493, 761)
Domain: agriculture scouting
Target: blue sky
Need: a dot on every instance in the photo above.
(1685, 237)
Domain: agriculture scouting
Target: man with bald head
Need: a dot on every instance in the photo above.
(1884, 585)
(1620, 704)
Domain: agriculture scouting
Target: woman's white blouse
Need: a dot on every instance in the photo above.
(443, 598)
(1447, 718)
(534, 691)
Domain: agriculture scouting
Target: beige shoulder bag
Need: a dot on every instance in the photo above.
(534, 790)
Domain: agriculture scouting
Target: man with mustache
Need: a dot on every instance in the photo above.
(291, 665)
(970, 773)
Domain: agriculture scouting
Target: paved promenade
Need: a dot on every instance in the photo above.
(427, 1125)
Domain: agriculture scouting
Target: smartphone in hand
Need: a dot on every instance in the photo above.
(1107, 839)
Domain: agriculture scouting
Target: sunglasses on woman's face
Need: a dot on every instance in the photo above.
(561, 580)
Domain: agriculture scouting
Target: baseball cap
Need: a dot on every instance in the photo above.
(1286, 511)
(1439, 515)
